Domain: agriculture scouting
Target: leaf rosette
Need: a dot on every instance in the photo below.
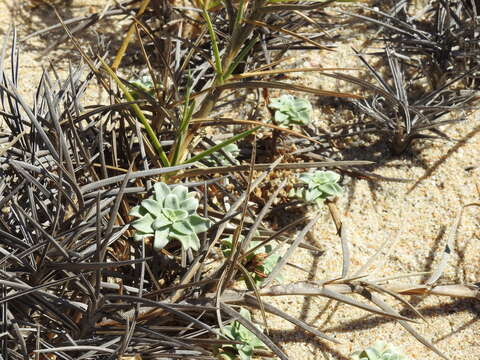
(291, 110)
(320, 185)
(169, 214)
(248, 340)
(379, 351)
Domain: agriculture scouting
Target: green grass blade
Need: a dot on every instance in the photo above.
(186, 117)
(213, 37)
(240, 57)
(139, 113)
(222, 145)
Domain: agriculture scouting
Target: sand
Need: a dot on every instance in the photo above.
(416, 217)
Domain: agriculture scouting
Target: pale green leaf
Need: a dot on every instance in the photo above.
(144, 224)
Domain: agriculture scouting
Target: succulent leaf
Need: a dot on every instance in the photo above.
(320, 185)
(291, 110)
(144, 224)
(198, 223)
(182, 227)
(265, 267)
(152, 206)
(232, 150)
(236, 331)
(190, 205)
(161, 191)
(161, 239)
(169, 214)
(138, 211)
(171, 202)
(180, 192)
(379, 351)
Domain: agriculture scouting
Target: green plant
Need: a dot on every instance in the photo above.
(231, 149)
(169, 214)
(259, 262)
(379, 351)
(238, 332)
(291, 110)
(142, 85)
(320, 186)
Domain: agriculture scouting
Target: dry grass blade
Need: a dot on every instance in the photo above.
(284, 86)
(345, 249)
(384, 306)
(251, 327)
(291, 33)
(437, 273)
(328, 291)
(394, 295)
(286, 71)
(133, 176)
(235, 168)
(95, 349)
(282, 262)
(273, 310)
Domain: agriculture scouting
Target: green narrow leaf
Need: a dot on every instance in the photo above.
(213, 37)
(222, 145)
(186, 117)
(139, 113)
(240, 57)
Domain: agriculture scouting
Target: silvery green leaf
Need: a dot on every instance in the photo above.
(152, 206)
(199, 224)
(161, 191)
(182, 227)
(161, 239)
(379, 351)
(245, 314)
(245, 351)
(281, 103)
(190, 241)
(139, 236)
(322, 177)
(270, 263)
(190, 205)
(281, 118)
(171, 202)
(144, 224)
(332, 176)
(227, 330)
(138, 211)
(320, 185)
(180, 214)
(181, 192)
(291, 110)
(305, 177)
(312, 194)
(160, 222)
(170, 214)
(330, 189)
(301, 193)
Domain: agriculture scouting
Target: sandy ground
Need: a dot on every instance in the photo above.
(415, 217)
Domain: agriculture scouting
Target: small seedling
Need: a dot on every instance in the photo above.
(260, 263)
(169, 214)
(238, 332)
(379, 351)
(320, 185)
(291, 110)
(219, 157)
